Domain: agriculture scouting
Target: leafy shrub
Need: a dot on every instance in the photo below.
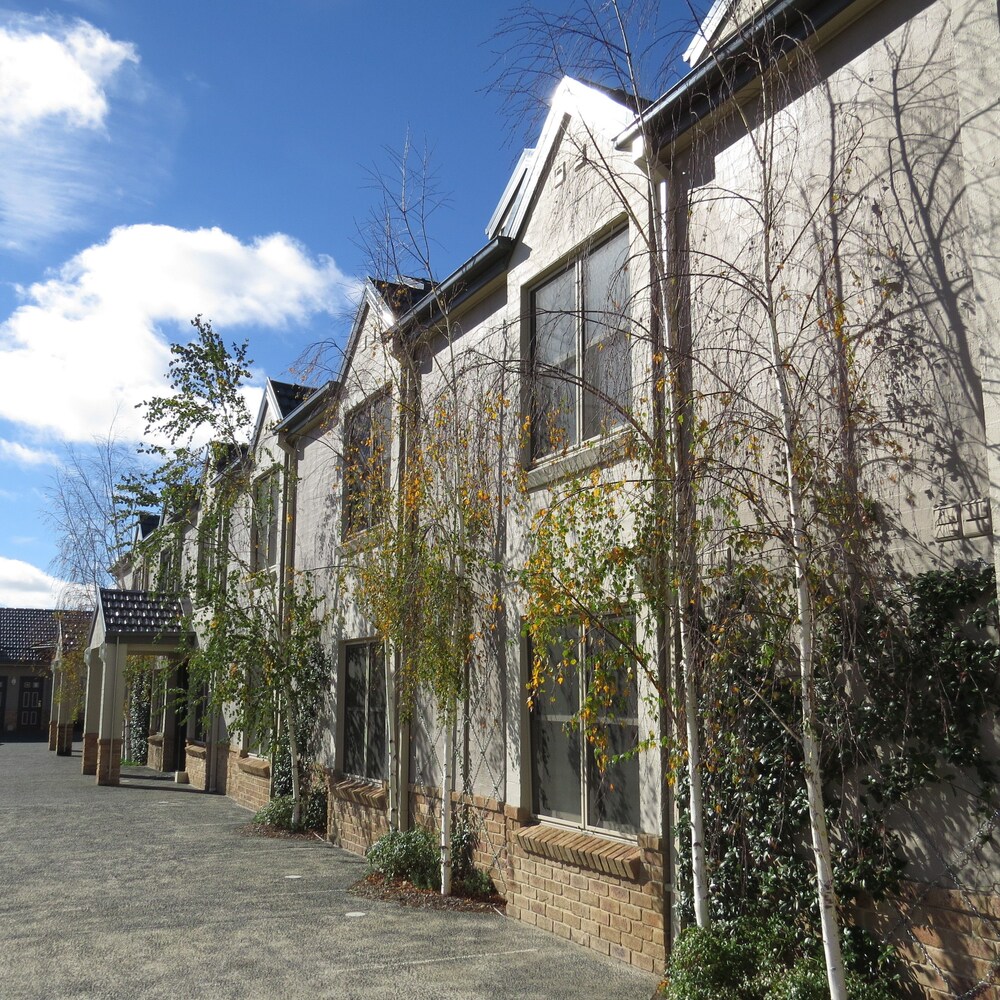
(411, 855)
(709, 964)
(314, 810)
(766, 959)
(278, 812)
(466, 878)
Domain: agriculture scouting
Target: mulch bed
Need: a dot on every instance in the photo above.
(406, 894)
(277, 832)
(374, 886)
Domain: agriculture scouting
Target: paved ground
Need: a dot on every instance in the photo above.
(149, 890)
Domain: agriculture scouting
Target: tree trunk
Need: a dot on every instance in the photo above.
(810, 738)
(293, 753)
(446, 787)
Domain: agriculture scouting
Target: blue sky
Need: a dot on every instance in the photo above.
(159, 160)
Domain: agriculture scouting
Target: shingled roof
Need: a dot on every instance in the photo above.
(131, 614)
(27, 635)
(290, 396)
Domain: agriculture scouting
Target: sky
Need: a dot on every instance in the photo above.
(164, 160)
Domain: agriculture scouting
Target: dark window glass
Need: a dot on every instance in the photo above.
(366, 463)
(364, 710)
(580, 350)
(567, 783)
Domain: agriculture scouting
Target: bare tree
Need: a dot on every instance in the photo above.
(92, 525)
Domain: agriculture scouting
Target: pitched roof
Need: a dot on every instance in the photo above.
(27, 635)
(135, 613)
(289, 396)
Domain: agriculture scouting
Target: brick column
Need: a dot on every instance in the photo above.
(92, 710)
(90, 753)
(109, 743)
(109, 761)
(53, 726)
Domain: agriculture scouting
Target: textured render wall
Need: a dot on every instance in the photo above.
(903, 232)
(917, 214)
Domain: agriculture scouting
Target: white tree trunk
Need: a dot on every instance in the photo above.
(392, 734)
(699, 869)
(293, 753)
(810, 739)
(446, 787)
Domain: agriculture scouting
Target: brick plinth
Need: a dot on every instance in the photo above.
(357, 813)
(195, 763)
(248, 780)
(154, 751)
(89, 753)
(64, 740)
(109, 761)
(53, 727)
(949, 940)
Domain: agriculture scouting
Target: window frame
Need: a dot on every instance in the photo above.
(374, 664)
(589, 777)
(362, 506)
(576, 384)
(264, 554)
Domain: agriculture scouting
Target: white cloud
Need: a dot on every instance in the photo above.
(11, 451)
(49, 68)
(92, 340)
(58, 153)
(25, 586)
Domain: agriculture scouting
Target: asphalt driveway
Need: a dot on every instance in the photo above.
(152, 890)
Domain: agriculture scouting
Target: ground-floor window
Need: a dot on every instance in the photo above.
(567, 783)
(364, 710)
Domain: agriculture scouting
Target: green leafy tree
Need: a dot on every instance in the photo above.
(258, 628)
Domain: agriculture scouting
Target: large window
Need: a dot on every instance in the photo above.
(567, 783)
(581, 357)
(366, 463)
(364, 710)
(264, 524)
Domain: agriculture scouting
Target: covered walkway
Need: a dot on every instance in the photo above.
(148, 889)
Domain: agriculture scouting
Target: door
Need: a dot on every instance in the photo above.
(29, 715)
(3, 706)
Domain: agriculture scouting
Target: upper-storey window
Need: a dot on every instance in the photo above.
(581, 357)
(264, 522)
(366, 463)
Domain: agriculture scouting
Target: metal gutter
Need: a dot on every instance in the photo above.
(301, 416)
(481, 268)
(728, 71)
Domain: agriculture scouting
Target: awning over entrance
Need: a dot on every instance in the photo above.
(126, 621)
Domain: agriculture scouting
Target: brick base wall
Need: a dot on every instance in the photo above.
(604, 894)
(248, 780)
(356, 813)
(487, 817)
(53, 726)
(89, 765)
(957, 933)
(154, 752)
(195, 763)
(64, 740)
(109, 761)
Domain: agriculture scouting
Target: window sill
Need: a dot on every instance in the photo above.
(582, 849)
(592, 453)
(257, 766)
(360, 792)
